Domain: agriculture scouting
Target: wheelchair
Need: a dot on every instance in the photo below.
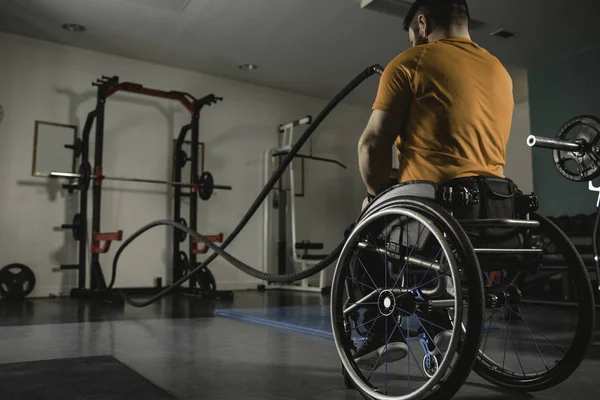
(416, 266)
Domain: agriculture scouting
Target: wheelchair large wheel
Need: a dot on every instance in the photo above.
(531, 342)
(406, 282)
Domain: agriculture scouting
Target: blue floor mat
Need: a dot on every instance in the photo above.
(312, 320)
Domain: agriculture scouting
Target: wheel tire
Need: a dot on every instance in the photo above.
(585, 322)
(469, 270)
(347, 380)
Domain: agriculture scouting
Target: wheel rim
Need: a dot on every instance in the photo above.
(400, 298)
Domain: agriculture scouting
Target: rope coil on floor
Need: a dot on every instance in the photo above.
(219, 250)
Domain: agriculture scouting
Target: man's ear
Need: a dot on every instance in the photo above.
(425, 26)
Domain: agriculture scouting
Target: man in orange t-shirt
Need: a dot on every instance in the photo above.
(447, 105)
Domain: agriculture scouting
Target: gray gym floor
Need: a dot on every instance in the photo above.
(180, 346)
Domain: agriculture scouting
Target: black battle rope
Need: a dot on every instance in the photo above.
(374, 69)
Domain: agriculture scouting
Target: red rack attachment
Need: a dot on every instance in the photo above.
(107, 238)
(213, 238)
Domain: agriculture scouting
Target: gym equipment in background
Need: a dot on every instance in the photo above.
(17, 281)
(576, 155)
(200, 183)
(284, 201)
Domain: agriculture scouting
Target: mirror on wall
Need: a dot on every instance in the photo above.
(49, 152)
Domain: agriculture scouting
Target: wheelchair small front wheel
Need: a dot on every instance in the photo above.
(407, 275)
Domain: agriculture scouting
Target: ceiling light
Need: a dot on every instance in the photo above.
(249, 67)
(73, 27)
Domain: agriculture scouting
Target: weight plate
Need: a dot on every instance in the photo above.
(205, 281)
(17, 281)
(77, 147)
(85, 175)
(580, 166)
(181, 235)
(182, 158)
(183, 261)
(77, 227)
(206, 185)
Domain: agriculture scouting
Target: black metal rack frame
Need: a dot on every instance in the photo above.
(107, 86)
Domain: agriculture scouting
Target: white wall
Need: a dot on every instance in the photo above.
(44, 81)
(518, 154)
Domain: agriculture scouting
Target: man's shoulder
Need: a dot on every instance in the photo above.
(409, 58)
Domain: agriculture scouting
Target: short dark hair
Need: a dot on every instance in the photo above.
(443, 13)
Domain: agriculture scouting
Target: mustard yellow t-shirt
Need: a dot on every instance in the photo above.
(456, 104)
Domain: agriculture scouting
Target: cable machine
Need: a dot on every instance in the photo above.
(284, 201)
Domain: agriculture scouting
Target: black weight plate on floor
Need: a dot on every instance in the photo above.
(205, 280)
(181, 235)
(206, 185)
(16, 281)
(85, 175)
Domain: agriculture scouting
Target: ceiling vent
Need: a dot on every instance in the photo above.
(400, 8)
(504, 34)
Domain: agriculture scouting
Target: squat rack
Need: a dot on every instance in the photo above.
(100, 242)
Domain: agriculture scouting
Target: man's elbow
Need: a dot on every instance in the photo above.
(367, 142)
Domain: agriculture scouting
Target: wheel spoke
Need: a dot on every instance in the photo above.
(368, 332)
(385, 264)
(411, 352)
(408, 358)
(425, 320)
(506, 340)
(387, 341)
(430, 338)
(488, 330)
(545, 337)
(513, 345)
(365, 268)
(430, 265)
(407, 255)
(361, 283)
(532, 338)
(379, 358)
(432, 280)
(547, 313)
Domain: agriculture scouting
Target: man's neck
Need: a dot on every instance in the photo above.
(452, 32)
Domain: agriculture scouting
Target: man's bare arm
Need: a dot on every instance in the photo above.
(374, 150)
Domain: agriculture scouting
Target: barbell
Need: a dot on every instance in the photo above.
(204, 184)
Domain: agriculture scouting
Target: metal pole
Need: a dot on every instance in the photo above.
(97, 280)
(83, 204)
(140, 180)
(193, 222)
(555, 144)
(178, 269)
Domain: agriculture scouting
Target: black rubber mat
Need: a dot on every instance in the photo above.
(90, 378)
